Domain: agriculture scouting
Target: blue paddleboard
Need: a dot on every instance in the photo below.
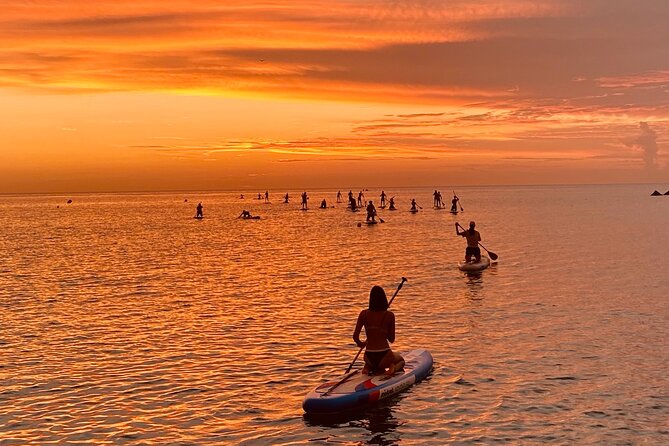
(360, 391)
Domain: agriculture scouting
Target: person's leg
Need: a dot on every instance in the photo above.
(393, 362)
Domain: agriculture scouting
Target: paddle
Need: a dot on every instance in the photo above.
(492, 255)
(347, 375)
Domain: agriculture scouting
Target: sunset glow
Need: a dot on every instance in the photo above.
(164, 95)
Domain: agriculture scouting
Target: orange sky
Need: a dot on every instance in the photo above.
(163, 95)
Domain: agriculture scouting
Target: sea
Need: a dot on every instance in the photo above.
(125, 321)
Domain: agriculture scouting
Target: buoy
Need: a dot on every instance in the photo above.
(360, 225)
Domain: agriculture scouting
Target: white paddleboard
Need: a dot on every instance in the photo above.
(475, 266)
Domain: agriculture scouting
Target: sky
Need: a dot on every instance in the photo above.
(135, 95)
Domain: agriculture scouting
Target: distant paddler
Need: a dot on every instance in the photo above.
(454, 203)
(266, 196)
(352, 204)
(414, 205)
(338, 196)
(379, 324)
(285, 198)
(324, 204)
(198, 211)
(371, 212)
(383, 199)
(246, 215)
(473, 238)
(391, 206)
(305, 198)
(361, 199)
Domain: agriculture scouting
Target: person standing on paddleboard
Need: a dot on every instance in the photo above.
(379, 326)
(473, 238)
(305, 197)
(198, 212)
(454, 203)
(383, 199)
(361, 199)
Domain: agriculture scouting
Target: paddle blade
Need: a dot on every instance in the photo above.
(493, 256)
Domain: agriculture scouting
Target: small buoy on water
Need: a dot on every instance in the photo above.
(360, 225)
(69, 201)
(185, 200)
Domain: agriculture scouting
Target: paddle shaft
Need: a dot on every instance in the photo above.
(492, 255)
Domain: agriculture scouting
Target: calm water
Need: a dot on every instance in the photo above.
(125, 321)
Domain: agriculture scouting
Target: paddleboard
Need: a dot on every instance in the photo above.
(360, 391)
(454, 212)
(372, 222)
(255, 217)
(413, 211)
(198, 218)
(475, 266)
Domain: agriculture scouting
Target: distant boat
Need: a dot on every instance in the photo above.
(655, 194)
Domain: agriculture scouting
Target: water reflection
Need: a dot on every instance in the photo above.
(474, 285)
(379, 421)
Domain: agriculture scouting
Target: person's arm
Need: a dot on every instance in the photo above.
(391, 327)
(358, 328)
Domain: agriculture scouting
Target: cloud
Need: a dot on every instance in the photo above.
(646, 141)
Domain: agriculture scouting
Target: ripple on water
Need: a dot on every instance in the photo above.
(127, 322)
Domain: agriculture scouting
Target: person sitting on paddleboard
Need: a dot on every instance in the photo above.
(379, 326)
(198, 212)
(454, 203)
(352, 204)
(324, 204)
(371, 212)
(413, 205)
(473, 238)
(391, 203)
(245, 214)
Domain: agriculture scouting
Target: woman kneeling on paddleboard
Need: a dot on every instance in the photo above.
(379, 326)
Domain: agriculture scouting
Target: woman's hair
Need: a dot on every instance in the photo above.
(377, 299)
